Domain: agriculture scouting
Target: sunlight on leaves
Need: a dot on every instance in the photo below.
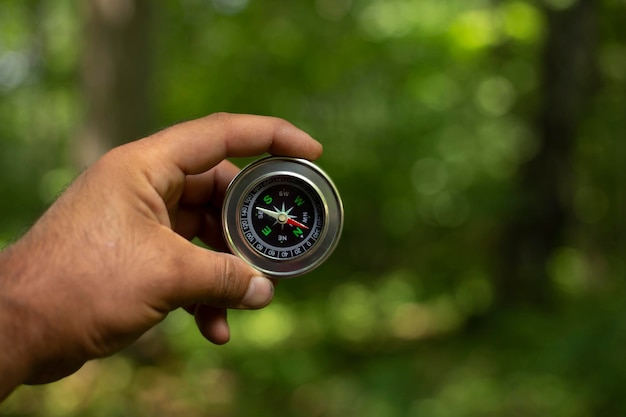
(503, 144)
(474, 294)
(413, 321)
(230, 7)
(15, 33)
(399, 287)
(429, 176)
(439, 92)
(62, 28)
(267, 327)
(475, 29)
(455, 145)
(522, 21)
(353, 307)
(398, 18)
(450, 209)
(495, 96)
(613, 61)
(333, 9)
(569, 270)
(471, 392)
(14, 69)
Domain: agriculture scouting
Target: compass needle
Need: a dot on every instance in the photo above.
(293, 222)
(270, 213)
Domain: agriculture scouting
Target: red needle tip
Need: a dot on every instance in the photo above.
(295, 223)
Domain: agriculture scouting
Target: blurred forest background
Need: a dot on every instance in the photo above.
(479, 146)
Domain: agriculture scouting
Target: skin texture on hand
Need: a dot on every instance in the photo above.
(111, 257)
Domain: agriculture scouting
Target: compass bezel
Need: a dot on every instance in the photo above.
(303, 171)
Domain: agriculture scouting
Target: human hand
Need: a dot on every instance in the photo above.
(111, 257)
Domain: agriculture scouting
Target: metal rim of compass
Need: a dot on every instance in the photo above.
(308, 174)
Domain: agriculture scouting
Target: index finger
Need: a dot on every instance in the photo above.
(198, 145)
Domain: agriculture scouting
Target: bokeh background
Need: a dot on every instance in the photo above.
(479, 146)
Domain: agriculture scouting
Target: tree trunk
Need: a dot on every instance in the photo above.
(115, 75)
(538, 222)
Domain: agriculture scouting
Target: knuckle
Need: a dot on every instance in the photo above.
(231, 287)
(280, 125)
(219, 117)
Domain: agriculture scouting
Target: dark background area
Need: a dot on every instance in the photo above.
(479, 149)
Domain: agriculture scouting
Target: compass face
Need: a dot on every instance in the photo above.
(283, 216)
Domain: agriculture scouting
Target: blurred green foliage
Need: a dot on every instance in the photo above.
(427, 110)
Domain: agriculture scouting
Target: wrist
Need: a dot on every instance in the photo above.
(15, 360)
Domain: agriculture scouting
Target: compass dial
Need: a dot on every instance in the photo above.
(280, 218)
(282, 215)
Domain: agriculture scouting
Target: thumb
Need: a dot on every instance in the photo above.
(217, 279)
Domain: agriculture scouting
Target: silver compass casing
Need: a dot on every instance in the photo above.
(299, 171)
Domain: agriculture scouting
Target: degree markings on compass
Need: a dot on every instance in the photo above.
(281, 201)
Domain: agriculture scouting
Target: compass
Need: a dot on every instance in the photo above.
(282, 215)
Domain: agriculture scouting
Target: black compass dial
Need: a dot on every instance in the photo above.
(282, 217)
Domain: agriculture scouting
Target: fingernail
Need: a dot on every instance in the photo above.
(259, 294)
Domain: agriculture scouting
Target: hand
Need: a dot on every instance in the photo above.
(111, 258)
